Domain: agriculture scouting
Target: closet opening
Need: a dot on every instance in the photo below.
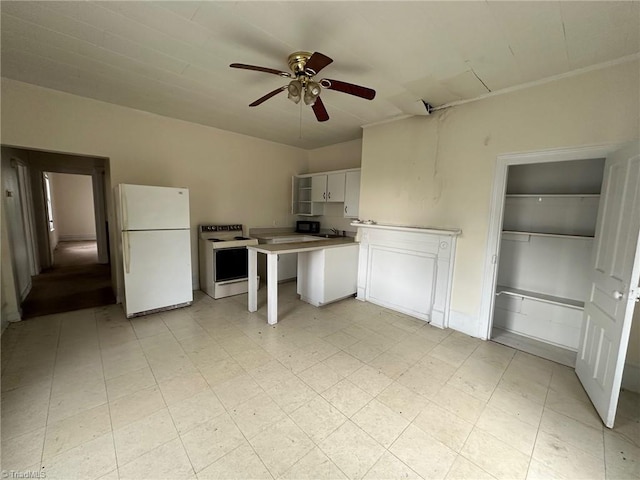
(544, 257)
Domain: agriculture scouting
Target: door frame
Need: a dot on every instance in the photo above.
(503, 162)
(25, 192)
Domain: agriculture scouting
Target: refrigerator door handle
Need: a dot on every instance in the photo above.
(126, 251)
(125, 210)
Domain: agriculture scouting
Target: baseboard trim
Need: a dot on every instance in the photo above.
(7, 318)
(464, 323)
(77, 238)
(631, 377)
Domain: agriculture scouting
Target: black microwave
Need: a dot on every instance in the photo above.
(307, 226)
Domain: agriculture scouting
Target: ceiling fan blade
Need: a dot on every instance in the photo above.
(320, 111)
(261, 69)
(268, 96)
(350, 88)
(317, 61)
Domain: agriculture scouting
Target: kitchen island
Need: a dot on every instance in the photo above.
(318, 265)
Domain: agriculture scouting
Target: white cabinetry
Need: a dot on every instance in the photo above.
(352, 194)
(311, 192)
(302, 202)
(545, 252)
(328, 275)
(319, 188)
(328, 188)
(335, 187)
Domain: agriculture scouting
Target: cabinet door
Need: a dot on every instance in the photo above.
(335, 187)
(319, 188)
(352, 195)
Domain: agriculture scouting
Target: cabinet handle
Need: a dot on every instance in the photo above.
(329, 195)
(324, 195)
(345, 209)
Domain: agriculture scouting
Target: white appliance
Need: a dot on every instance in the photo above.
(155, 248)
(224, 261)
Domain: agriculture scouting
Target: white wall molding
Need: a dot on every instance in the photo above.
(8, 316)
(407, 269)
(464, 323)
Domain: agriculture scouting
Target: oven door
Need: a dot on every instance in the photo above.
(231, 264)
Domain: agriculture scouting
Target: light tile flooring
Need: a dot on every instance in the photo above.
(350, 390)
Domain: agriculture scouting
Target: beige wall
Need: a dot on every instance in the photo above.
(74, 214)
(231, 177)
(335, 157)
(438, 170)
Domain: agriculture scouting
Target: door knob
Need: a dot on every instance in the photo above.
(618, 295)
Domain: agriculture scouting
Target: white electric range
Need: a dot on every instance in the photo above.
(224, 260)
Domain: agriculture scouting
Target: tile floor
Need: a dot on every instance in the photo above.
(350, 390)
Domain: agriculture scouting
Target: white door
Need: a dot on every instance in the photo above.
(157, 269)
(614, 284)
(153, 208)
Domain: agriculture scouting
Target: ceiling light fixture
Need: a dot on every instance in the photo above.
(311, 92)
(295, 91)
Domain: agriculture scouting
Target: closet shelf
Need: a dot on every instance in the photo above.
(540, 234)
(552, 195)
(541, 297)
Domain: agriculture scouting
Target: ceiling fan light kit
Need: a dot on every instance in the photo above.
(305, 65)
(295, 91)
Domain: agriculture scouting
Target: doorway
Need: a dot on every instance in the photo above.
(615, 243)
(548, 228)
(69, 232)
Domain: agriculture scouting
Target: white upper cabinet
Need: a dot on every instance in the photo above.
(352, 194)
(335, 187)
(311, 191)
(328, 187)
(301, 197)
(319, 188)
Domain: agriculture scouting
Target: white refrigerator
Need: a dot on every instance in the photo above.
(155, 248)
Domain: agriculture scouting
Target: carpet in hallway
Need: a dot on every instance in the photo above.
(75, 282)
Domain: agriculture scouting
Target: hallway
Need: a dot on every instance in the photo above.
(76, 281)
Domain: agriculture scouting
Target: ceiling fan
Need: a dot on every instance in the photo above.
(305, 66)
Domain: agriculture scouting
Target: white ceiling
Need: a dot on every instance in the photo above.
(172, 57)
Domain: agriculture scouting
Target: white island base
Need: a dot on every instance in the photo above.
(328, 275)
(327, 272)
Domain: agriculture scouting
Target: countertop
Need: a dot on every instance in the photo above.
(296, 247)
(274, 235)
